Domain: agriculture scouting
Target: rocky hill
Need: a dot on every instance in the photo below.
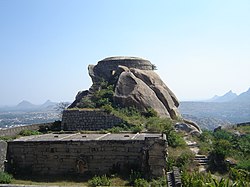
(135, 84)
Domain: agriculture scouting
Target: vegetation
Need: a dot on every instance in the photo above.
(29, 132)
(99, 181)
(226, 147)
(5, 178)
(197, 179)
(229, 157)
(7, 138)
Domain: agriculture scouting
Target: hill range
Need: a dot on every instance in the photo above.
(229, 108)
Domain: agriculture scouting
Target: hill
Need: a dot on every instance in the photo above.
(211, 114)
(229, 96)
(28, 106)
(243, 97)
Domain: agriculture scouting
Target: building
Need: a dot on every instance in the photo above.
(58, 154)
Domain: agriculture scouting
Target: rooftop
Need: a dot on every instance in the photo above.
(87, 137)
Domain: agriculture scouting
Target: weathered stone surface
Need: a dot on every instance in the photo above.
(105, 67)
(189, 127)
(87, 154)
(131, 91)
(164, 94)
(73, 120)
(3, 152)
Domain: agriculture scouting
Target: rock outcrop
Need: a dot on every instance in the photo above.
(135, 85)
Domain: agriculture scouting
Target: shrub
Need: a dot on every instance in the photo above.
(29, 132)
(150, 113)
(159, 124)
(244, 164)
(136, 128)
(99, 181)
(175, 140)
(133, 176)
(115, 129)
(5, 178)
(141, 183)
(107, 108)
(159, 182)
(87, 103)
(185, 159)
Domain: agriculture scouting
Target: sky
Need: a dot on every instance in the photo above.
(200, 48)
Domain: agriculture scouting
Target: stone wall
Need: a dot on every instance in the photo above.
(81, 119)
(3, 151)
(16, 130)
(92, 157)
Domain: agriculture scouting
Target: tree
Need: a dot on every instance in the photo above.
(60, 107)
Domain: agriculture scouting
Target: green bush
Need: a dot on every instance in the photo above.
(159, 124)
(115, 130)
(159, 182)
(185, 159)
(150, 113)
(141, 183)
(197, 179)
(5, 178)
(107, 108)
(29, 132)
(99, 181)
(175, 139)
(136, 128)
(244, 164)
(133, 176)
(86, 102)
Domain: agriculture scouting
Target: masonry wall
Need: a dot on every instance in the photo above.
(93, 157)
(16, 130)
(3, 151)
(73, 120)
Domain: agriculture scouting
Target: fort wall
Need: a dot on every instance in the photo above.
(13, 131)
(81, 119)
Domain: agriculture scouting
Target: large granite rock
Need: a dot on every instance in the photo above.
(135, 83)
(131, 91)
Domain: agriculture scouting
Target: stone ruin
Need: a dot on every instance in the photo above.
(88, 154)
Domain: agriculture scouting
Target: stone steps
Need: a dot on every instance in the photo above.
(201, 159)
(174, 178)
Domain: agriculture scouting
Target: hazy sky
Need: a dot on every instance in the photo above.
(200, 47)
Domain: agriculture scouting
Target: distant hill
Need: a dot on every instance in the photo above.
(28, 106)
(48, 104)
(25, 105)
(229, 96)
(220, 112)
(244, 97)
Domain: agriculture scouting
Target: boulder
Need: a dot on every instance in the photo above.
(133, 92)
(164, 94)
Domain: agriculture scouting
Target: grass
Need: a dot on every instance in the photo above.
(64, 181)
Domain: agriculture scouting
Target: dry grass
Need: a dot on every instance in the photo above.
(64, 181)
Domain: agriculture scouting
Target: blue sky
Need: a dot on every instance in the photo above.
(201, 48)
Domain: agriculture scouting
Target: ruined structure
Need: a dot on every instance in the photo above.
(57, 154)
